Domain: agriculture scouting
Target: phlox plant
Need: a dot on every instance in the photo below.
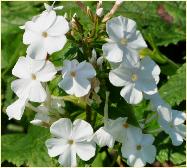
(88, 80)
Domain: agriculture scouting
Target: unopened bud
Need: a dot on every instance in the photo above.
(99, 12)
(65, 15)
(119, 2)
(88, 9)
(99, 4)
(93, 59)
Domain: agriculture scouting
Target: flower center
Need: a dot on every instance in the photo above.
(138, 147)
(44, 34)
(123, 41)
(134, 77)
(170, 125)
(125, 125)
(33, 76)
(70, 141)
(73, 73)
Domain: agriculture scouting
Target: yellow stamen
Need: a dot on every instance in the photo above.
(134, 77)
(138, 147)
(123, 41)
(73, 73)
(70, 141)
(33, 76)
(44, 34)
(125, 125)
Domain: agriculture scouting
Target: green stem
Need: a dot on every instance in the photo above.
(88, 113)
(106, 109)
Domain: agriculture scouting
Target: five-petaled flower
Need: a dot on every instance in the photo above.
(76, 77)
(71, 140)
(124, 40)
(136, 77)
(45, 34)
(138, 149)
(172, 123)
(31, 73)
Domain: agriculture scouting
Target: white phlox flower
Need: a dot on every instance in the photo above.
(31, 73)
(136, 77)
(107, 135)
(115, 130)
(16, 109)
(170, 120)
(71, 140)
(45, 35)
(76, 77)
(124, 40)
(138, 149)
(172, 123)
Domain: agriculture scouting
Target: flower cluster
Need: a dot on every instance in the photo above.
(138, 77)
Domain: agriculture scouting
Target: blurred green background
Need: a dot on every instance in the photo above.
(163, 25)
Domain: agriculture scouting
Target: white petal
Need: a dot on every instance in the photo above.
(128, 149)
(86, 70)
(60, 27)
(116, 129)
(16, 109)
(146, 84)
(114, 28)
(136, 161)
(56, 43)
(56, 146)
(61, 128)
(178, 117)
(150, 67)
(155, 99)
(131, 94)
(67, 85)
(47, 73)
(81, 86)
(147, 139)
(37, 50)
(181, 129)
(112, 52)
(120, 76)
(41, 119)
(30, 36)
(21, 69)
(104, 138)
(164, 113)
(176, 138)
(138, 41)
(85, 150)
(117, 27)
(34, 64)
(37, 93)
(44, 21)
(58, 8)
(134, 135)
(82, 130)
(149, 153)
(68, 158)
(21, 87)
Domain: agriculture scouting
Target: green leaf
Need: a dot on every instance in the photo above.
(27, 149)
(174, 90)
(99, 160)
